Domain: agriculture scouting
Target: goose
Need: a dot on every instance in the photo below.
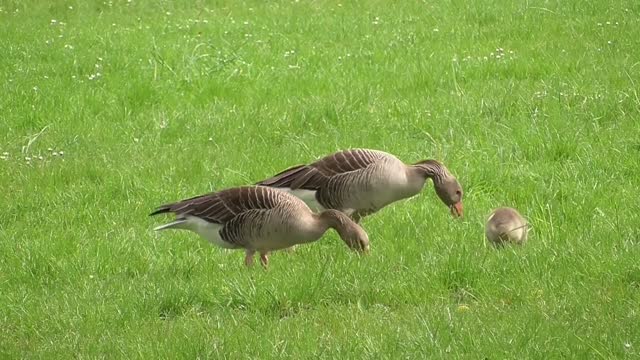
(504, 225)
(360, 182)
(258, 219)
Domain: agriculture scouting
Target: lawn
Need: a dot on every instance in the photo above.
(111, 108)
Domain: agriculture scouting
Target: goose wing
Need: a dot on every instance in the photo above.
(223, 206)
(316, 175)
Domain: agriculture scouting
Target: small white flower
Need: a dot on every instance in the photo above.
(70, 7)
(608, 22)
(39, 157)
(436, 30)
(27, 158)
(599, 24)
(54, 21)
(61, 152)
(168, 13)
(246, 23)
(54, 153)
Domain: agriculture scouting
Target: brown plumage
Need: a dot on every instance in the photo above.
(506, 225)
(259, 219)
(360, 182)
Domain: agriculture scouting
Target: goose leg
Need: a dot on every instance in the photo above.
(264, 259)
(248, 258)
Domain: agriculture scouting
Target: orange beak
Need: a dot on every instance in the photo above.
(456, 209)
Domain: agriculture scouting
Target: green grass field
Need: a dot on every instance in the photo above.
(111, 108)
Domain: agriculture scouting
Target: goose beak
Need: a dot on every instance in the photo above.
(456, 209)
(363, 249)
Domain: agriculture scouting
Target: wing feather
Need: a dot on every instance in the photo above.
(220, 207)
(316, 175)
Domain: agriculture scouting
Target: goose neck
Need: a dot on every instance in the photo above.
(431, 169)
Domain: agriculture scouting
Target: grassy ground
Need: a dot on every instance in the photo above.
(111, 108)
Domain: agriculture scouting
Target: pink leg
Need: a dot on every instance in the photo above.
(264, 259)
(248, 258)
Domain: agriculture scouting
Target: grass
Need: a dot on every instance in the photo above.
(157, 101)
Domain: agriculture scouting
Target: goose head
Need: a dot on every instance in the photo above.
(446, 185)
(351, 233)
(450, 192)
(355, 237)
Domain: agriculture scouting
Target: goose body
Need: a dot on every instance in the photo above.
(258, 219)
(506, 225)
(360, 182)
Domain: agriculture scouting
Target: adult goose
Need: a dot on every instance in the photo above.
(359, 182)
(506, 225)
(259, 219)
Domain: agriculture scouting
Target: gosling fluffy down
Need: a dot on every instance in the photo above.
(506, 225)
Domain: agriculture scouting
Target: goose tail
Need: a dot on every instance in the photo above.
(178, 224)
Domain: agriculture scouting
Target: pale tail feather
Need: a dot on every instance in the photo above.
(178, 224)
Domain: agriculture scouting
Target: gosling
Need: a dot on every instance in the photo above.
(506, 225)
